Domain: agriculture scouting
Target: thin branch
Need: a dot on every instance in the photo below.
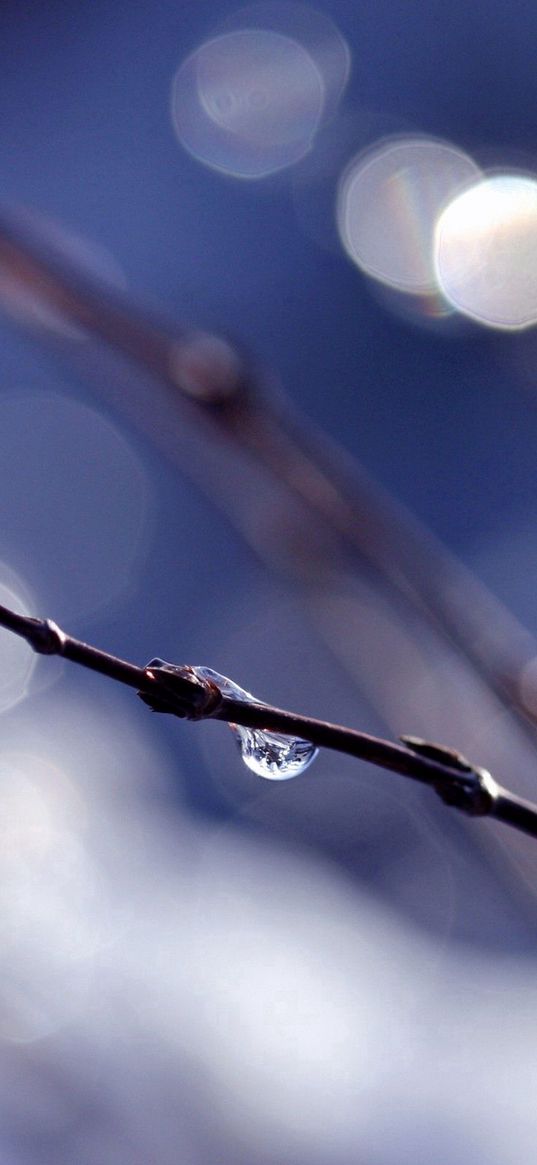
(220, 392)
(182, 692)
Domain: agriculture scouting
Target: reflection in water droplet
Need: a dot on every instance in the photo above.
(268, 754)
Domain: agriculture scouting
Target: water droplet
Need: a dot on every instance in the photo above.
(268, 754)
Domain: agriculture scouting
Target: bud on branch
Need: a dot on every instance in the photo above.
(186, 692)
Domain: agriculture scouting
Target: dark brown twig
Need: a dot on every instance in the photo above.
(183, 693)
(325, 506)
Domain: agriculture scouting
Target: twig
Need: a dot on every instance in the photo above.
(185, 694)
(219, 391)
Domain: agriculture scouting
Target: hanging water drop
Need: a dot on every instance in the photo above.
(268, 754)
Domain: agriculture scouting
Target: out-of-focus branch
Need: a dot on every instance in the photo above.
(186, 694)
(327, 509)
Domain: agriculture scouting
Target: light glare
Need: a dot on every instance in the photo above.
(248, 102)
(486, 251)
(18, 661)
(388, 205)
(311, 29)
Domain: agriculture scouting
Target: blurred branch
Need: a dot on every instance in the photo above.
(184, 693)
(323, 507)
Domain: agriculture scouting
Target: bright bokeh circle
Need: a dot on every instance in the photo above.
(388, 203)
(486, 251)
(309, 27)
(17, 659)
(249, 102)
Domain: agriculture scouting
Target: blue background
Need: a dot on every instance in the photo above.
(442, 415)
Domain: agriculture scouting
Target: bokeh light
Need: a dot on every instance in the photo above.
(248, 102)
(309, 27)
(486, 251)
(68, 775)
(47, 898)
(18, 660)
(388, 203)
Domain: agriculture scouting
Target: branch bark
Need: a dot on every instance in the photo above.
(183, 693)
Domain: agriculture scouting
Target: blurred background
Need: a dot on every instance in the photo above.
(268, 317)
